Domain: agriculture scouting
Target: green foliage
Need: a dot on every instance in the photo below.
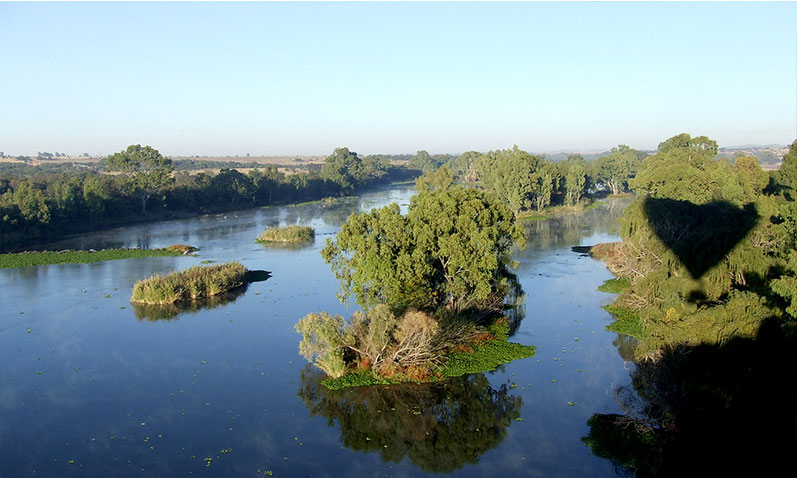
(32, 259)
(452, 249)
(487, 356)
(626, 321)
(617, 168)
(510, 175)
(705, 249)
(347, 170)
(787, 175)
(324, 341)
(615, 286)
(145, 171)
(425, 162)
(441, 178)
(193, 283)
(287, 234)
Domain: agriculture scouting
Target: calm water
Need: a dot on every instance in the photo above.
(91, 386)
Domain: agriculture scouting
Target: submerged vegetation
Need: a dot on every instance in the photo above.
(287, 234)
(193, 283)
(431, 283)
(39, 258)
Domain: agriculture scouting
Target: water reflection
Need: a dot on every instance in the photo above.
(706, 410)
(569, 229)
(155, 312)
(439, 427)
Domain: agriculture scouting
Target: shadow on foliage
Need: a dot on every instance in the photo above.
(700, 235)
(708, 410)
(439, 427)
(154, 312)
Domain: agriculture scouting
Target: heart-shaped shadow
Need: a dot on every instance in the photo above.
(700, 235)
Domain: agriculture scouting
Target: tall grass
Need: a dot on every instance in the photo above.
(287, 234)
(193, 283)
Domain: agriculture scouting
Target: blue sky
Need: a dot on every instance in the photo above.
(304, 78)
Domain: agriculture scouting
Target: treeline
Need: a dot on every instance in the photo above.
(529, 182)
(709, 248)
(142, 185)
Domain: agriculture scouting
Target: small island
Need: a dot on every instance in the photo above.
(194, 283)
(286, 235)
(432, 285)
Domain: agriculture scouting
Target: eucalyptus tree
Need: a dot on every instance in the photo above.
(144, 171)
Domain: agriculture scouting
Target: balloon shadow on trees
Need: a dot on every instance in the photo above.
(701, 236)
(439, 427)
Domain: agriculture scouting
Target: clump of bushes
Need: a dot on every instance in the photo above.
(375, 340)
(378, 346)
(193, 283)
(287, 234)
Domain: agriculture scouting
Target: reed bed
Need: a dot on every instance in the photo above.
(193, 283)
(287, 234)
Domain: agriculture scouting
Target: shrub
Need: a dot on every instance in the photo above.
(287, 234)
(324, 342)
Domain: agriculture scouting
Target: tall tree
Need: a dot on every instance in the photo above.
(145, 171)
(615, 169)
(451, 250)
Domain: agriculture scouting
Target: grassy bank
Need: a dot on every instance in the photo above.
(193, 283)
(288, 234)
(31, 259)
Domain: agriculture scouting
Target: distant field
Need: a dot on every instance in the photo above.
(276, 160)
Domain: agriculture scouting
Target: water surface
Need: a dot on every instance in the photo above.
(92, 386)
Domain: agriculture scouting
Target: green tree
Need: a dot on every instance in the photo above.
(615, 169)
(424, 161)
(451, 250)
(442, 178)
(698, 151)
(787, 175)
(233, 187)
(509, 174)
(344, 168)
(145, 171)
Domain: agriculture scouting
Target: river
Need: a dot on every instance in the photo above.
(92, 386)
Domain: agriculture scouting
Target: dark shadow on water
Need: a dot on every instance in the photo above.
(154, 312)
(438, 427)
(708, 410)
(700, 235)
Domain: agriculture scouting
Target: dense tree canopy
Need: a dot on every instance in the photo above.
(145, 171)
(450, 250)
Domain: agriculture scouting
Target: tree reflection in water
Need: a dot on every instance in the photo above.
(439, 427)
(707, 410)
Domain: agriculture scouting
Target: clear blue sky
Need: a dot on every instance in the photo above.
(303, 78)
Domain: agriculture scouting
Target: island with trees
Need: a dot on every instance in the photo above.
(432, 287)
